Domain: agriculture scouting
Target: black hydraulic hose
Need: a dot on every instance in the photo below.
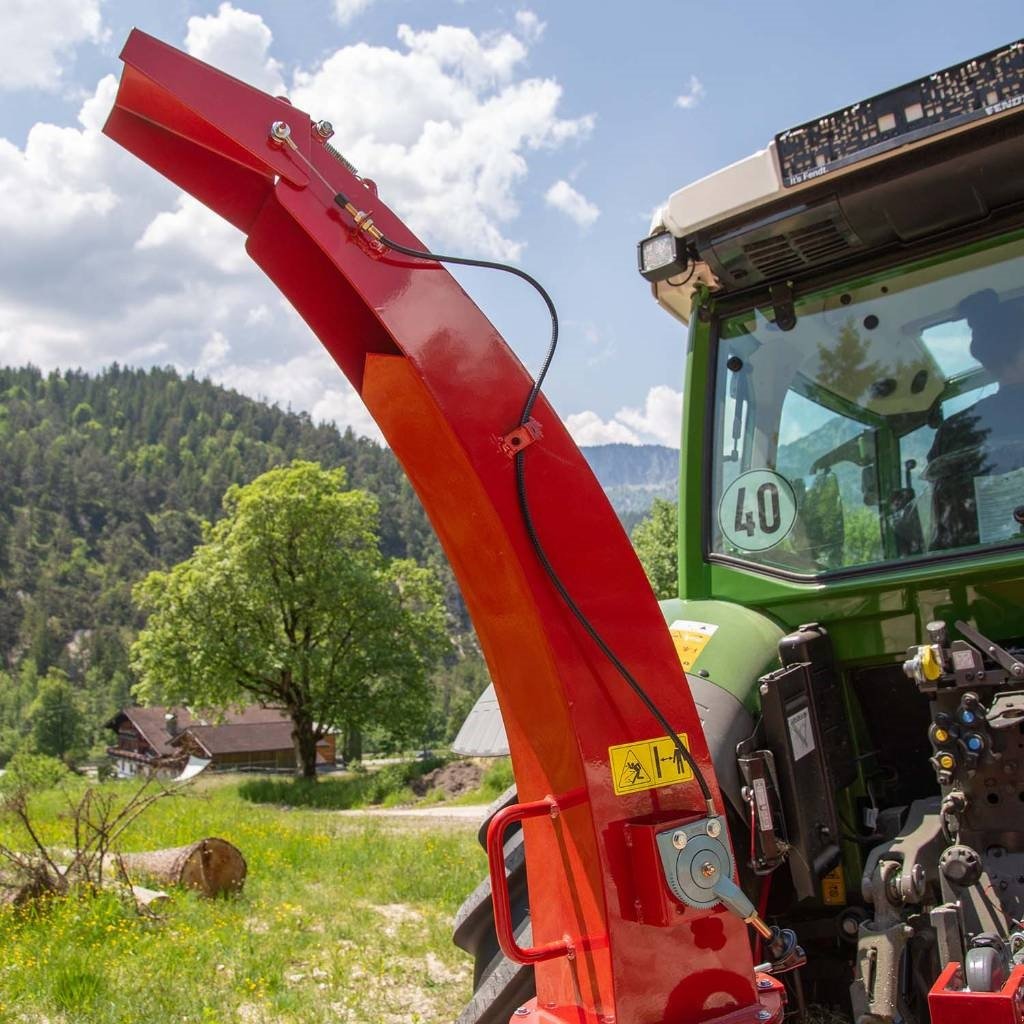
(524, 504)
(508, 269)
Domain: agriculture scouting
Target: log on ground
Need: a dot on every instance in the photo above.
(211, 866)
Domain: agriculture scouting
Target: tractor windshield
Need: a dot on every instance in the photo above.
(887, 424)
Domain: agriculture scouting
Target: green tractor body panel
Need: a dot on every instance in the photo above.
(742, 644)
(873, 612)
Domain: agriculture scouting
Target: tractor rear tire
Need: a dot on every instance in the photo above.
(500, 986)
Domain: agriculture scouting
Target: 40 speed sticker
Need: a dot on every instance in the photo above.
(757, 510)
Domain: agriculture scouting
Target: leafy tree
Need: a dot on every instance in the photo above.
(290, 603)
(656, 539)
(55, 719)
(862, 540)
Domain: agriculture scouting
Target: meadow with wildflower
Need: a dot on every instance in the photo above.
(340, 920)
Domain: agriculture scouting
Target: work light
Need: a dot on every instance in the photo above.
(661, 256)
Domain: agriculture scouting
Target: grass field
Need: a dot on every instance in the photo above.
(340, 920)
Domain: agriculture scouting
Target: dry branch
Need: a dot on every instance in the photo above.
(210, 866)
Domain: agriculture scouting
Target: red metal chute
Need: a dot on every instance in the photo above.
(447, 393)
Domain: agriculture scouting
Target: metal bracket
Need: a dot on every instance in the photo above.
(522, 437)
(782, 305)
(1004, 658)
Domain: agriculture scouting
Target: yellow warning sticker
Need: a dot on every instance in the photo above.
(833, 888)
(647, 764)
(690, 638)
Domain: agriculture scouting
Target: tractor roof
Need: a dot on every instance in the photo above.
(935, 154)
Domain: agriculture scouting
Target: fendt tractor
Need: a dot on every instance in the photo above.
(800, 783)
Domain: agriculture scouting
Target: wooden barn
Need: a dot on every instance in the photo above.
(163, 738)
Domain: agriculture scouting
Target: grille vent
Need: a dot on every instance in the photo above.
(819, 241)
(785, 253)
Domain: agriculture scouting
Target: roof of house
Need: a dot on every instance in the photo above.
(240, 738)
(151, 723)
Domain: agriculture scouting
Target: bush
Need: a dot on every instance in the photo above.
(32, 772)
(385, 786)
(497, 779)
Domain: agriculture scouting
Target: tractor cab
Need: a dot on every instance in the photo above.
(851, 539)
(878, 428)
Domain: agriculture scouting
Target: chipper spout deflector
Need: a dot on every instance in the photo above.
(614, 944)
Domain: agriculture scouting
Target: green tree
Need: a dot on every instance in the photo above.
(656, 539)
(54, 718)
(290, 603)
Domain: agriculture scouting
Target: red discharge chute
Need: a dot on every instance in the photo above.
(446, 389)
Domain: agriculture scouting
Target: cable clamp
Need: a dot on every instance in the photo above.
(522, 437)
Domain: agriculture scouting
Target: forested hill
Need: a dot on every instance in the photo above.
(103, 478)
(106, 477)
(633, 475)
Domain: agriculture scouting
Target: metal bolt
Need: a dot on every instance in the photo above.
(324, 129)
(708, 870)
(280, 130)
(521, 1011)
(679, 840)
(764, 984)
(764, 1015)
(714, 828)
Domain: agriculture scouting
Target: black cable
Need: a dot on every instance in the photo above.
(679, 284)
(524, 504)
(507, 268)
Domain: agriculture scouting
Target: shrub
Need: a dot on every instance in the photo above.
(497, 778)
(32, 772)
(386, 785)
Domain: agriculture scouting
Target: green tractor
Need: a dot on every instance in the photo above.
(851, 582)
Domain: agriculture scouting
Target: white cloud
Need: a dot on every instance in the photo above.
(588, 428)
(347, 10)
(103, 259)
(444, 127)
(562, 196)
(193, 229)
(693, 95)
(214, 353)
(594, 343)
(659, 422)
(38, 35)
(237, 42)
(65, 183)
(465, 54)
(309, 381)
(531, 28)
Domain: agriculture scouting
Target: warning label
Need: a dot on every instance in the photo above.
(647, 764)
(690, 638)
(833, 888)
(764, 808)
(801, 734)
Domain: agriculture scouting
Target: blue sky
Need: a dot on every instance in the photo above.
(544, 132)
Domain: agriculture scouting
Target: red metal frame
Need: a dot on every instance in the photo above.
(548, 807)
(948, 1003)
(447, 393)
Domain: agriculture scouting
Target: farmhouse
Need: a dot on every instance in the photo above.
(163, 738)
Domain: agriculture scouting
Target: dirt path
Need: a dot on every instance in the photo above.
(467, 816)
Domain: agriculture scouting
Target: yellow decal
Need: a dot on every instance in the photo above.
(647, 764)
(833, 888)
(690, 639)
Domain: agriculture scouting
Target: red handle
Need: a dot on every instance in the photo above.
(499, 884)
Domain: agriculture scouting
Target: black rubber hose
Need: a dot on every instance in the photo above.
(524, 504)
